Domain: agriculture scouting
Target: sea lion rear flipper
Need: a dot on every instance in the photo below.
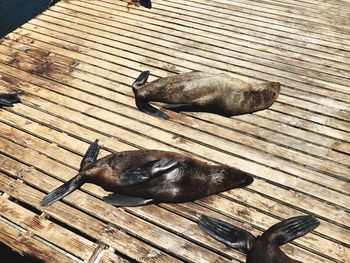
(144, 106)
(126, 201)
(140, 101)
(90, 155)
(146, 3)
(8, 99)
(141, 79)
(228, 234)
(146, 171)
(63, 190)
(290, 229)
(178, 107)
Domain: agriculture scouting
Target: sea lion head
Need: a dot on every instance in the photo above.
(270, 90)
(264, 95)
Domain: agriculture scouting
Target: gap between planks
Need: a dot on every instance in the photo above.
(133, 209)
(94, 69)
(171, 139)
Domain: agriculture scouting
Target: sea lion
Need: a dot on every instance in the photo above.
(150, 176)
(264, 248)
(144, 3)
(8, 99)
(203, 92)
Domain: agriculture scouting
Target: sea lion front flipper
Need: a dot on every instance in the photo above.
(290, 229)
(90, 155)
(228, 234)
(126, 201)
(148, 170)
(144, 106)
(8, 99)
(178, 107)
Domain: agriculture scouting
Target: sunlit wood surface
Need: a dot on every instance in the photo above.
(74, 65)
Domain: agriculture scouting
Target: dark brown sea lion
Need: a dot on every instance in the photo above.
(204, 92)
(150, 176)
(144, 3)
(264, 248)
(8, 99)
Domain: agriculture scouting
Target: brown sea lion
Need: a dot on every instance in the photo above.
(8, 99)
(264, 248)
(203, 92)
(150, 176)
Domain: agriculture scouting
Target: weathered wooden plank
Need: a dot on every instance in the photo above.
(40, 226)
(26, 245)
(181, 247)
(110, 257)
(189, 134)
(205, 127)
(172, 39)
(213, 17)
(78, 89)
(287, 12)
(192, 210)
(193, 37)
(260, 187)
(120, 78)
(77, 146)
(311, 6)
(176, 224)
(233, 66)
(204, 30)
(107, 233)
(293, 128)
(210, 60)
(28, 178)
(19, 136)
(310, 242)
(310, 125)
(49, 154)
(223, 121)
(337, 113)
(59, 77)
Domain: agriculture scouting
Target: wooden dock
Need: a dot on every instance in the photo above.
(74, 65)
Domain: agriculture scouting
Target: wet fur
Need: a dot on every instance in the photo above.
(193, 179)
(190, 180)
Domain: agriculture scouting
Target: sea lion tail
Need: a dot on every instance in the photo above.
(228, 234)
(290, 229)
(63, 190)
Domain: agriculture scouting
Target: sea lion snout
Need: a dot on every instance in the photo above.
(270, 86)
(245, 180)
(275, 86)
(270, 91)
(241, 178)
